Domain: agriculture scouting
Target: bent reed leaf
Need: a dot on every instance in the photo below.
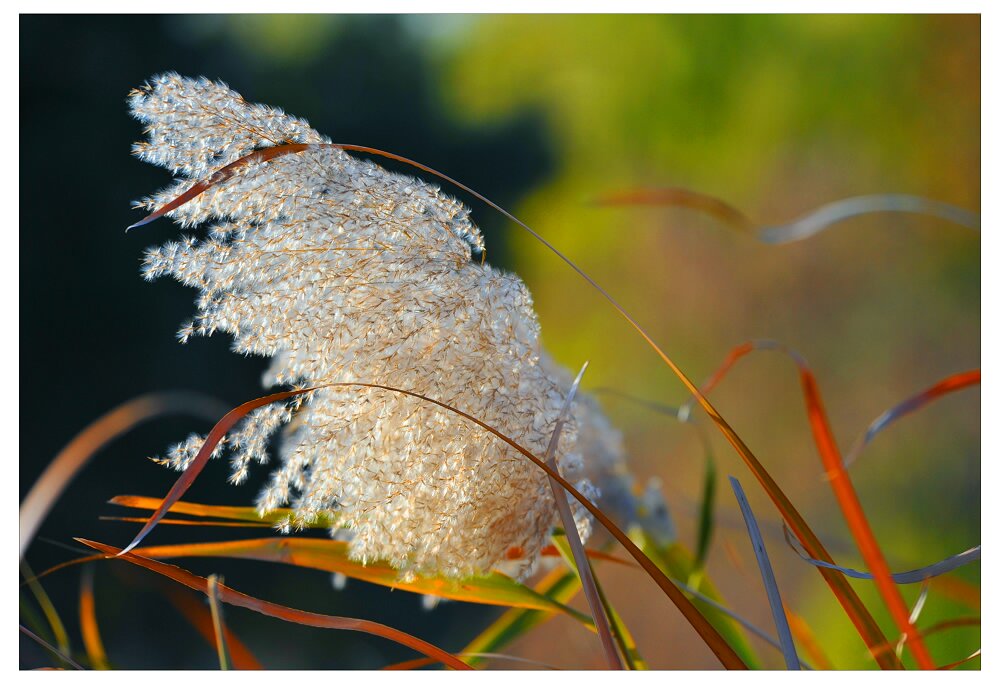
(233, 597)
(803, 227)
(950, 384)
(863, 621)
(846, 496)
(75, 455)
(598, 606)
(767, 574)
(218, 623)
(705, 630)
(908, 577)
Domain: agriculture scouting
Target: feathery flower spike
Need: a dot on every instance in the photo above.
(342, 271)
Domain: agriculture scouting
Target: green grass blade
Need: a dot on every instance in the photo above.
(559, 585)
(706, 518)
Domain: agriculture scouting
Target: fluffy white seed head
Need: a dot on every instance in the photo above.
(341, 271)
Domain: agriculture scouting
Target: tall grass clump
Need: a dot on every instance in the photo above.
(416, 416)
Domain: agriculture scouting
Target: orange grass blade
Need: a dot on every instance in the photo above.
(61, 566)
(329, 555)
(847, 499)
(804, 634)
(218, 625)
(88, 622)
(677, 196)
(952, 383)
(963, 660)
(188, 522)
(233, 597)
(727, 656)
(857, 521)
(957, 590)
(246, 514)
(184, 482)
(197, 614)
(100, 433)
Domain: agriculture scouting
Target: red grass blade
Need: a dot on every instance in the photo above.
(100, 433)
(958, 590)
(952, 383)
(233, 597)
(184, 482)
(847, 498)
(705, 630)
(857, 521)
(220, 176)
(676, 196)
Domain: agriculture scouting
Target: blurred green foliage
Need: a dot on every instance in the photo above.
(778, 115)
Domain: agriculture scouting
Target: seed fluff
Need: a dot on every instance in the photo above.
(341, 271)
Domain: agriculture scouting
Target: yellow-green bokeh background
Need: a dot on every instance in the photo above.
(778, 115)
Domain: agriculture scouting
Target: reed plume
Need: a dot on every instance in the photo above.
(339, 271)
